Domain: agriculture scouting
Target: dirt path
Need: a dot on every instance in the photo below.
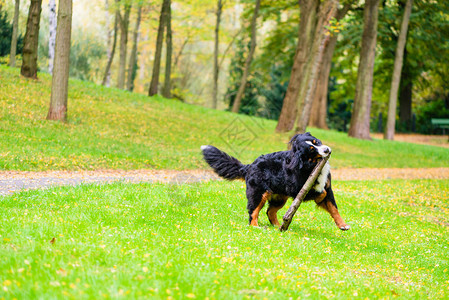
(12, 181)
(415, 138)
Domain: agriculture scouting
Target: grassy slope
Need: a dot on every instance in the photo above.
(161, 241)
(110, 128)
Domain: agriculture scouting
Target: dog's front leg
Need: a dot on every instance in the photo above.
(327, 204)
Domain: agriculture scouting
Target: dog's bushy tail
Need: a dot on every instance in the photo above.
(223, 164)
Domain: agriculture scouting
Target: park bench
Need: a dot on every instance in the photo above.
(440, 123)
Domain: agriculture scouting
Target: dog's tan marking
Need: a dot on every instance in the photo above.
(320, 197)
(272, 210)
(333, 211)
(255, 215)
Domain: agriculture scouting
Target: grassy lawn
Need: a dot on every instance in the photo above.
(115, 129)
(192, 241)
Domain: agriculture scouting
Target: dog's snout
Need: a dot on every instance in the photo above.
(325, 150)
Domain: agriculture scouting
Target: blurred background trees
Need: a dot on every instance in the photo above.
(202, 60)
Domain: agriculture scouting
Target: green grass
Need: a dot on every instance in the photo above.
(192, 241)
(114, 129)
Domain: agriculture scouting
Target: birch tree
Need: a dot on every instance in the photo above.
(52, 34)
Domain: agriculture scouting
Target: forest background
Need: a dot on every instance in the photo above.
(198, 25)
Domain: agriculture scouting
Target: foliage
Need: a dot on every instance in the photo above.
(113, 129)
(193, 25)
(134, 74)
(141, 241)
(274, 94)
(343, 74)
(428, 39)
(6, 35)
(279, 42)
(279, 46)
(4, 60)
(250, 101)
(339, 116)
(85, 53)
(434, 108)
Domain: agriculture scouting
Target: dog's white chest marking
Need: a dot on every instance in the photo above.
(322, 178)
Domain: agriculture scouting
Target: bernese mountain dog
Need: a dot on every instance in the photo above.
(275, 177)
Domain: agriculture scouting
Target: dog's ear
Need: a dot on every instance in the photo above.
(295, 159)
(292, 141)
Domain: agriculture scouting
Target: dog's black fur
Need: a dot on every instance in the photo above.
(277, 176)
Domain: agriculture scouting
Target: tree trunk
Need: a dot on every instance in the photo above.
(109, 31)
(52, 34)
(405, 94)
(328, 11)
(60, 79)
(133, 56)
(169, 53)
(223, 55)
(143, 57)
(107, 72)
(31, 40)
(360, 120)
(405, 101)
(124, 25)
(391, 120)
(110, 34)
(307, 24)
(319, 104)
(15, 27)
(216, 50)
(181, 50)
(157, 54)
(249, 58)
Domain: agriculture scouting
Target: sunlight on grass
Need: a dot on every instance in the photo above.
(192, 241)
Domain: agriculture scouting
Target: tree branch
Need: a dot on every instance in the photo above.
(287, 219)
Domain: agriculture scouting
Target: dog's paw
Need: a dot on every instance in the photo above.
(345, 227)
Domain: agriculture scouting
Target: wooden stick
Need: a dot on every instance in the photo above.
(302, 194)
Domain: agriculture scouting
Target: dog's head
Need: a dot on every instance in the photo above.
(306, 147)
